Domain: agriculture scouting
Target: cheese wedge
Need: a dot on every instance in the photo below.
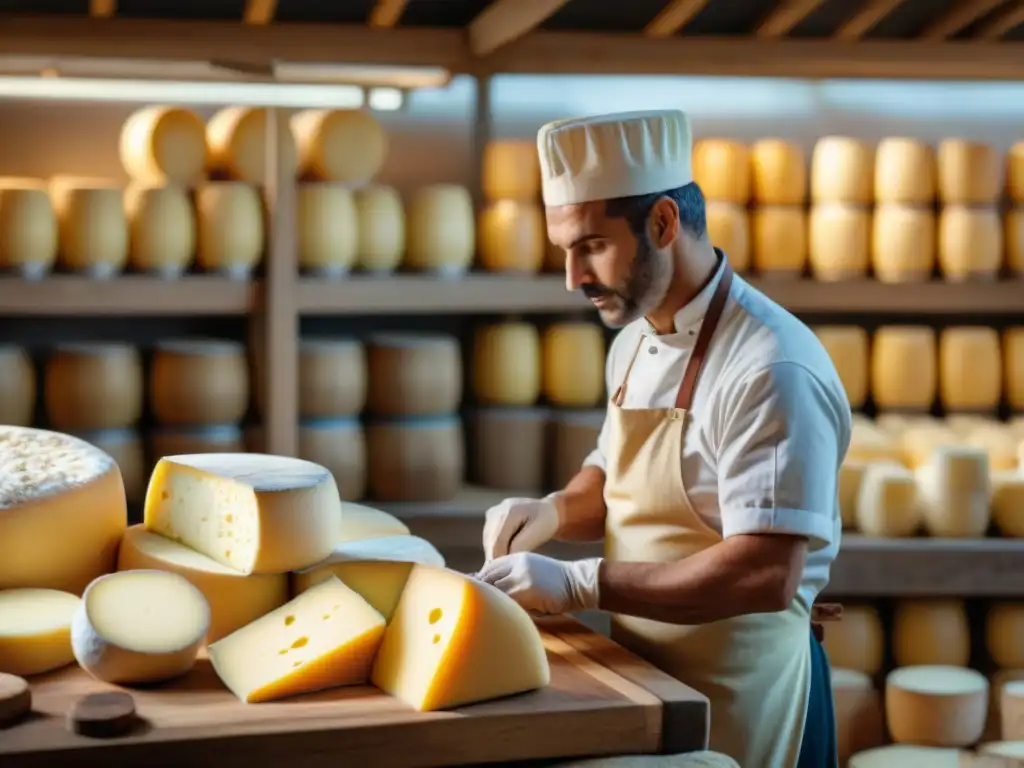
(361, 522)
(35, 630)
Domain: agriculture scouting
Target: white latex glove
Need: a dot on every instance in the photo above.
(544, 585)
(519, 525)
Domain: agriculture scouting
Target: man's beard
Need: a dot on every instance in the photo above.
(642, 291)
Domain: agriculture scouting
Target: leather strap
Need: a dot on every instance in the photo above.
(684, 399)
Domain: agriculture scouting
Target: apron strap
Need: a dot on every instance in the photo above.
(708, 327)
(620, 393)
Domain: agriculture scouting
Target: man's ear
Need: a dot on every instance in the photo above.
(664, 222)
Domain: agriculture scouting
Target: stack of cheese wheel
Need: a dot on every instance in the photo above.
(848, 346)
(17, 386)
(440, 231)
(904, 368)
(161, 226)
(970, 369)
(1013, 234)
(779, 223)
(93, 228)
(842, 190)
(721, 168)
(573, 364)
(903, 228)
(511, 232)
(414, 437)
(970, 186)
(28, 228)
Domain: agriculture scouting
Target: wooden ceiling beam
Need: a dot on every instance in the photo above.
(504, 21)
(964, 13)
(387, 13)
(1011, 19)
(673, 17)
(102, 9)
(870, 13)
(786, 15)
(259, 11)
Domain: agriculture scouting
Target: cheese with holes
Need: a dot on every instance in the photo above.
(507, 364)
(512, 237)
(905, 172)
(857, 642)
(164, 144)
(161, 228)
(440, 232)
(1013, 366)
(346, 145)
(62, 510)
(17, 386)
(139, 627)
(339, 445)
(970, 368)
(848, 347)
(35, 630)
(439, 650)
(28, 227)
(851, 475)
(199, 382)
(573, 355)
(1008, 502)
(414, 374)
(92, 226)
(969, 173)
(236, 145)
(779, 235)
(380, 218)
(324, 638)
(1004, 633)
(249, 511)
(838, 241)
(231, 235)
(779, 172)
(970, 242)
(235, 599)
(729, 230)
(953, 488)
(722, 169)
(936, 705)
(903, 243)
(417, 459)
(904, 367)
(328, 228)
(842, 171)
(931, 632)
(362, 522)
(510, 170)
(907, 756)
(93, 386)
(888, 504)
(377, 569)
(1015, 172)
(858, 712)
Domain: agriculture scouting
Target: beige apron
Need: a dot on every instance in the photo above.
(755, 669)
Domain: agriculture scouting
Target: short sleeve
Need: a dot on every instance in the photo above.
(781, 440)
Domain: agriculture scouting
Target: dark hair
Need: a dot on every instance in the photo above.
(636, 210)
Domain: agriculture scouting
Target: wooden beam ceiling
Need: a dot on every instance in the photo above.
(102, 9)
(673, 17)
(387, 13)
(870, 13)
(259, 11)
(1011, 19)
(966, 12)
(506, 20)
(786, 15)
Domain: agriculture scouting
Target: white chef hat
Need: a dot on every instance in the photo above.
(618, 155)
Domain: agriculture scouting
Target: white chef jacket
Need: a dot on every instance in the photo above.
(770, 423)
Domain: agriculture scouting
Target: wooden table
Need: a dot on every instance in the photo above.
(602, 701)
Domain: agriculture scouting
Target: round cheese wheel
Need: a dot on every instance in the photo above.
(848, 347)
(508, 448)
(997, 681)
(380, 228)
(779, 172)
(328, 228)
(895, 424)
(93, 386)
(347, 145)
(953, 487)
(838, 242)
(998, 442)
(236, 145)
(573, 364)
(969, 173)
(965, 423)
(1004, 630)
(414, 374)
(887, 505)
(851, 475)
(1013, 366)
(573, 437)
(903, 246)
(970, 368)
(512, 237)
(856, 643)
(906, 756)
(780, 241)
(125, 447)
(842, 171)
(1013, 240)
(904, 367)
(17, 386)
(184, 441)
(869, 444)
(930, 632)
(35, 630)
(231, 233)
(905, 172)
(161, 144)
(195, 382)
(728, 230)
(418, 459)
(507, 364)
(339, 445)
(858, 712)
(970, 243)
(919, 443)
(936, 705)
(332, 378)
(510, 170)
(92, 225)
(440, 229)
(161, 228)
(28, 228)
(722, 169)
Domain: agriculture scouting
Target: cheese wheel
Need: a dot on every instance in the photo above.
(332, 378)
(920, 442)
(722, 169)
(970, 368)
(508, 449)
(414, 374)
(361, 522)
(930, 632)
(236, 145)
(161, 144)
(28, 228)
(895, 424)
(888, 504)
(17, 386)
(999, 442)
(215, 438)
(93, 386)
(507, 364)
(161, 228)
(1003, 633)
(953, 488)
(231, 235)
(779, 171)
(328, 228)
(440, 229)
(418, 459)
(1013, 366)
(249, 511)
(235, 599)
(196, 382)
(779, 241)
(512, 237)
(729, 231)
(903, 245)
(510, 170)
(905, 172)
(963, 424)
(1015, 172)
(856, 643)
(573, 437)
(1013, 239)
(936, 705)
(125, 447)
(904, 367)
(35, 630)
(842, 171)
(997, 681)
(380, 227)
(970, 243)
(838, 242)
(969, 173)
(137, 627)
(92, 226)
(573, 364)
(346, 145)
(906, 756)
(848, 347)
(858, 712)
(340, 446)
(1008, 503)
(868, 444)
(851, 475)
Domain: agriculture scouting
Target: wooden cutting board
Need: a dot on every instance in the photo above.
(602, 701)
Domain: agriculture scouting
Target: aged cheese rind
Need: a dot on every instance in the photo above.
(936, 706)
(35, 630)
